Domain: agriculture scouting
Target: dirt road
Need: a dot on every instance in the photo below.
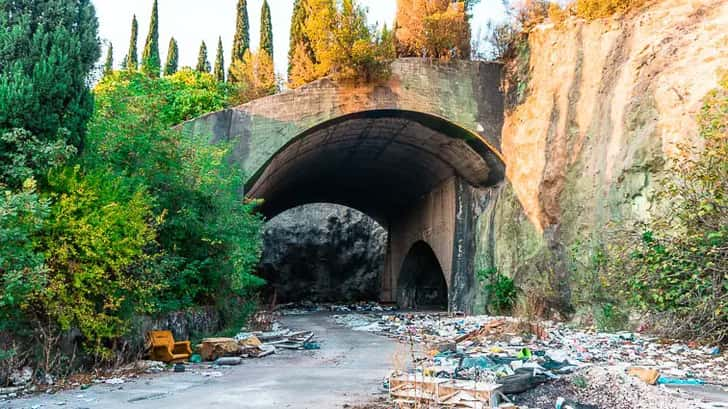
(348, 369)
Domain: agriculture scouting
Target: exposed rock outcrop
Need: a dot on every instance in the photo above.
(323, 252)
(609, 103)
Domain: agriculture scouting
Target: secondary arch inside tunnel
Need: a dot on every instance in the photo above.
(421, 282)
(401, 168)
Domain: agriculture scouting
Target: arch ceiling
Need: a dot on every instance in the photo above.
(378, 162)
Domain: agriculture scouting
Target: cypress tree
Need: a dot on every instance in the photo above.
(172, 58)
(151, 63)
(132, 61)
(298, 35)
(47, 50)
(241, 42)
(266, 30)
(203, 65)
(109, 64)
(219, 62)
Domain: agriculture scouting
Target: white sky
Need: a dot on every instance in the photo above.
(191, 21)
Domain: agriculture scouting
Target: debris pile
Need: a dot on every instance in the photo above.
(517, 356)
(307, 307)
(254, 344)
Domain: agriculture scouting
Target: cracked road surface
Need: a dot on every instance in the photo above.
(348, 369)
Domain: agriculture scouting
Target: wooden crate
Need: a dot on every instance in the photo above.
(417, 388)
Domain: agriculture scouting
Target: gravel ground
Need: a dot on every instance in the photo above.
(610, 388)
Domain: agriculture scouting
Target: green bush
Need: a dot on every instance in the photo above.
(22, 270)
(94, 240)
(500, 290)
(208, 239)
(676, 265)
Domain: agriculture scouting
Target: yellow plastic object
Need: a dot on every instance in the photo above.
(165, 349)
(649, 376)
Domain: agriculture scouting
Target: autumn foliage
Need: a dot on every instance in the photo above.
(432, 28)
(336, 40)
(255, 75)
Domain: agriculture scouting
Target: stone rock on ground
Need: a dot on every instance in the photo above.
(323, 253)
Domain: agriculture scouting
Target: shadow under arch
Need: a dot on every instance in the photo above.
(421, 281)
(377, 161)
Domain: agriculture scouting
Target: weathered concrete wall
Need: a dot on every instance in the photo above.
(609, 102)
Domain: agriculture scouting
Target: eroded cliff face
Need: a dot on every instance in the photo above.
(609, 104)
(324, 253)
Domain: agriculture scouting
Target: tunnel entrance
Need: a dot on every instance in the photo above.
(421, 282)
(412, 172)
(323, 253)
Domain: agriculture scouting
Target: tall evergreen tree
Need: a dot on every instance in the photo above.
(241, 42)
(298, 35)
(109, 64)
(47, 50)
(219, 62)
(132, 61)
(151, 63)
(266, 30)
(203, 64)
(172, 58)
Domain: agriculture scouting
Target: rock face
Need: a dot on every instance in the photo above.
(323, 252)
(608, 104)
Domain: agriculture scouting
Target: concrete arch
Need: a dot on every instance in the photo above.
(421, 282)
(414, 152)
(379, 162)
(464, 93)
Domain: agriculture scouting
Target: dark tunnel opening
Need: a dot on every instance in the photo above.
(323, 253)
(421, 283)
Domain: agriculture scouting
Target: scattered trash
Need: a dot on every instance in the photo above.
(520, 355)
(649, 376)
(214, 348)
(179, 367)
(114, 381)
(21, 376)
(195, 358)
(229, 361)
(311, 345)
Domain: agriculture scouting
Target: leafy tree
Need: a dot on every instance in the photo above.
(203, 64)
(241, 41)
(47, 49)
(298, 37)
(172, 58)
(23, 156)
(255, 75)
(220, 62)
(151, 62)
(433, 28)
(109, 63)
(22, 269)
(95, 238)
(302, 67)
(266, 30)
(132, 62)
(342, 45)
(209, 240)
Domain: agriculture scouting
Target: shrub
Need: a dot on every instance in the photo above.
(22, 270)
(95, 237)
(501, 290)
(676, 265)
